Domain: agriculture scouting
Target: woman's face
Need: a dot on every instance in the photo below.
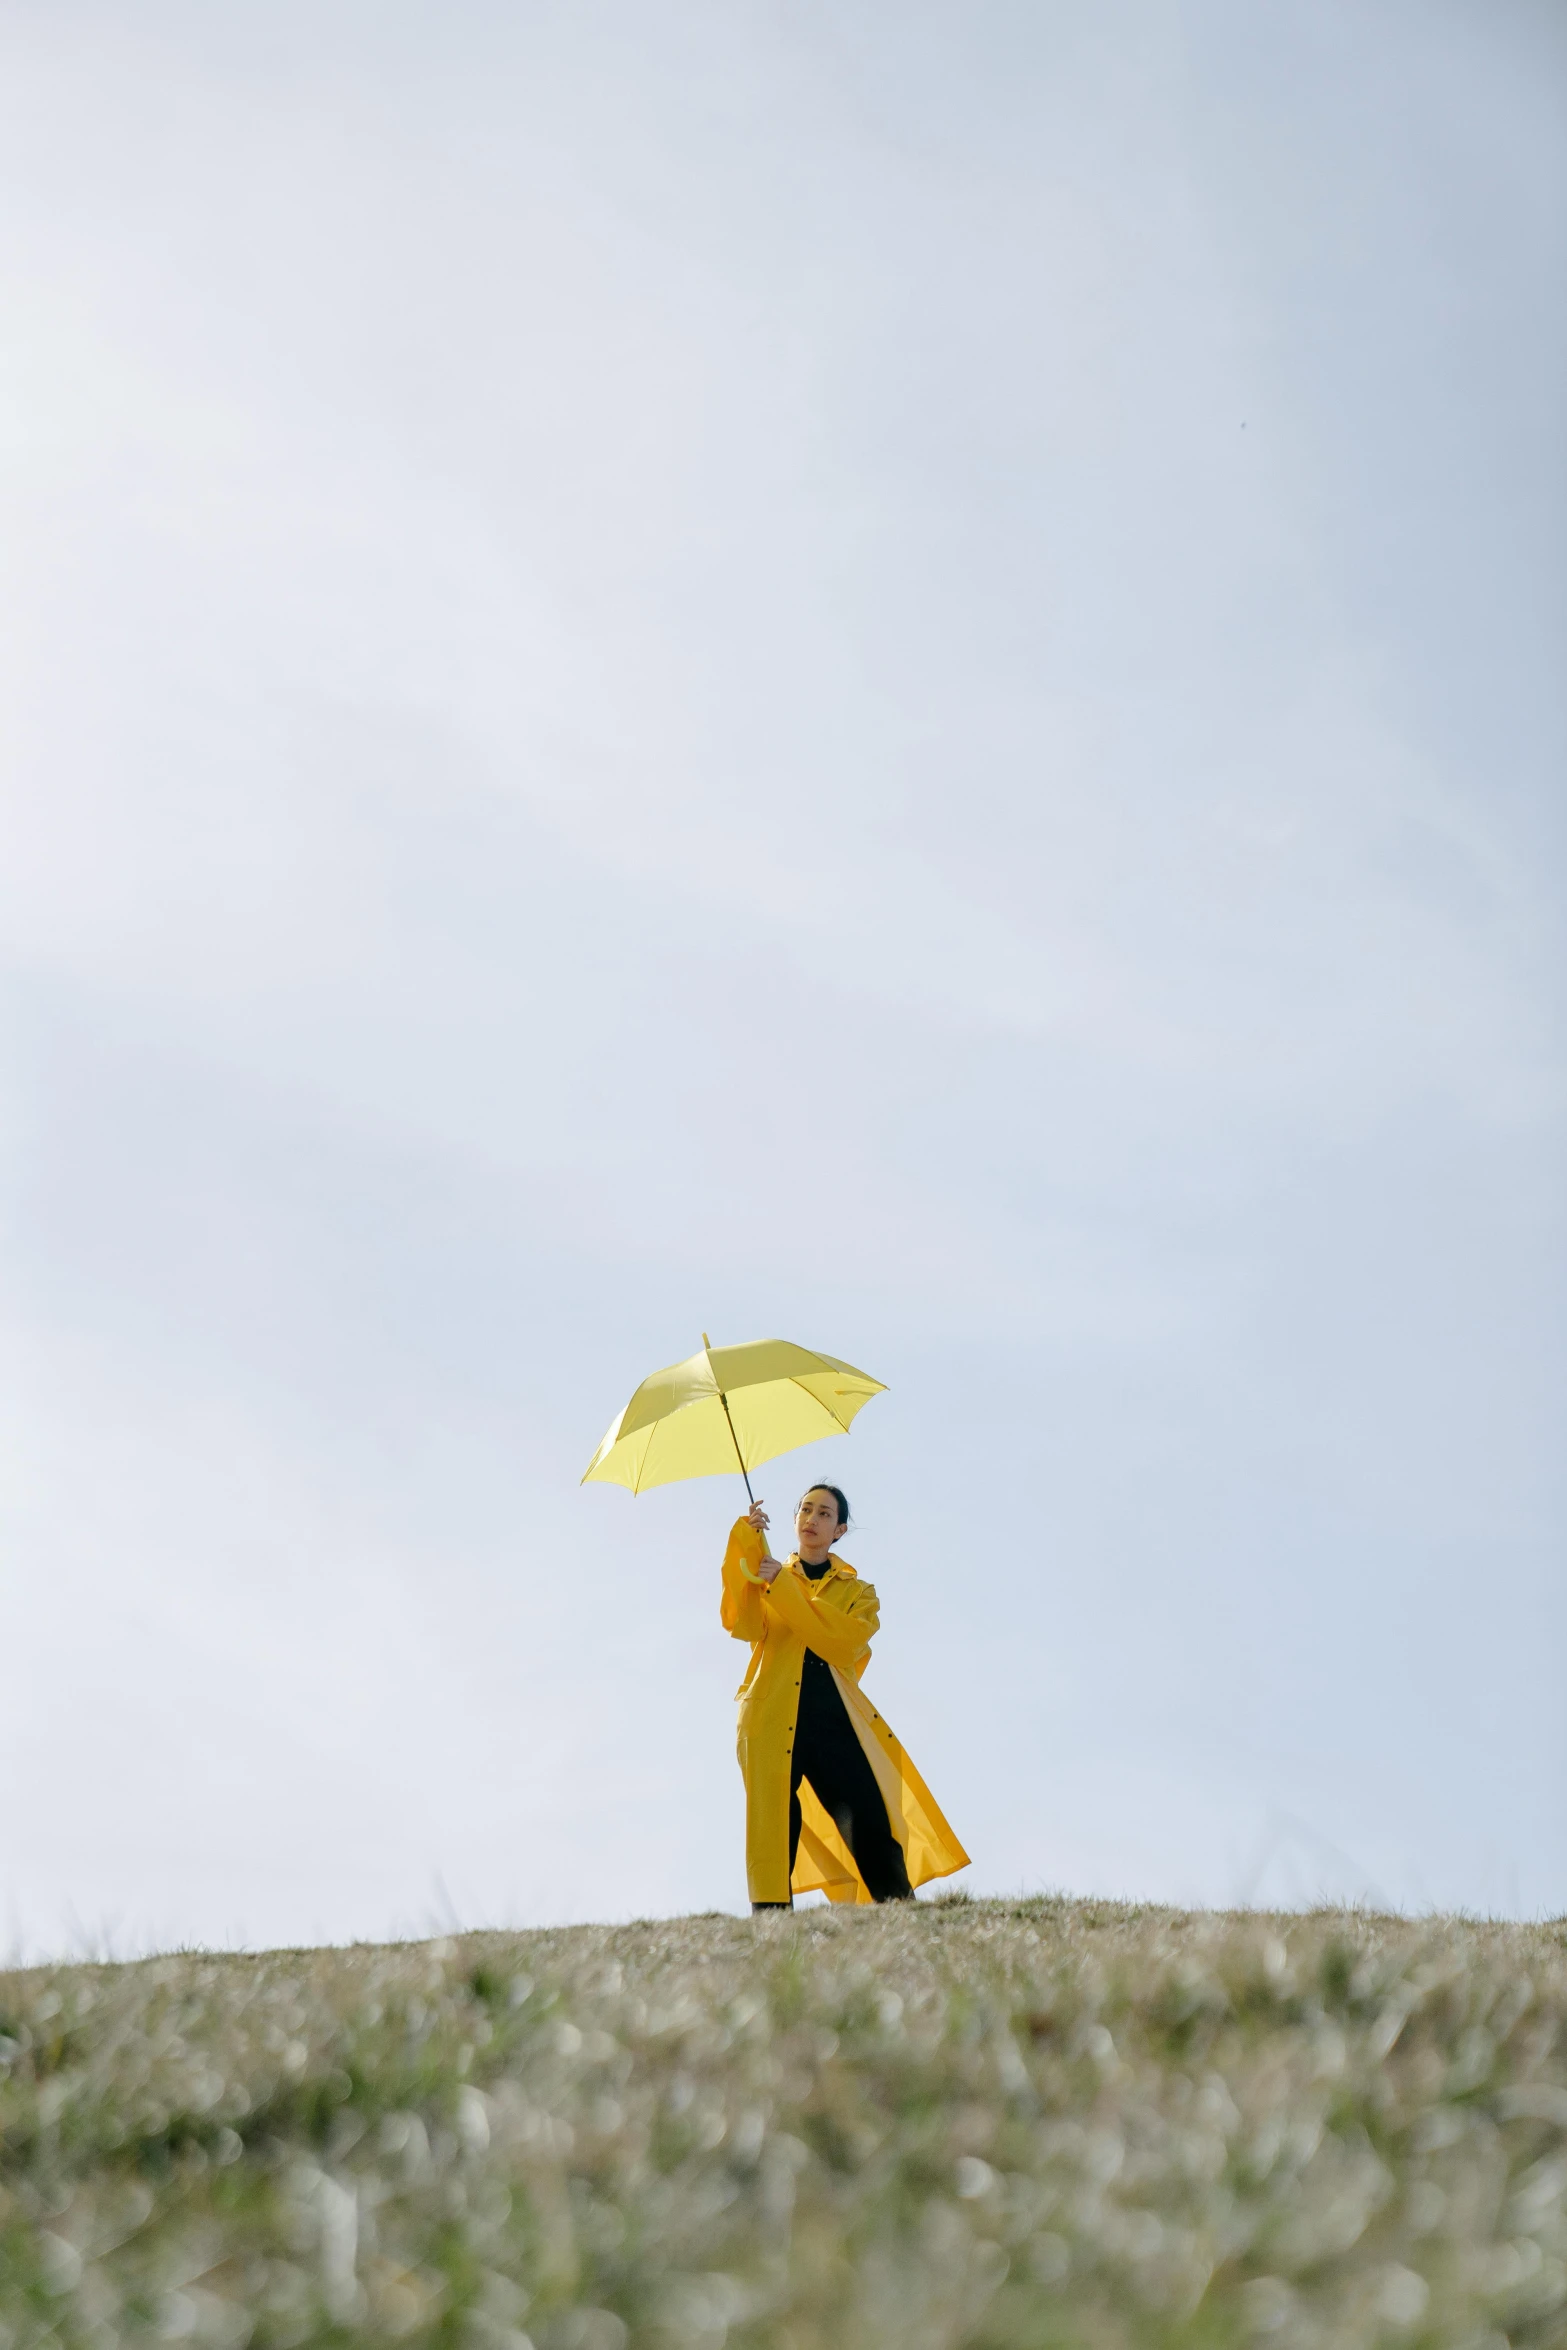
(817, 1524)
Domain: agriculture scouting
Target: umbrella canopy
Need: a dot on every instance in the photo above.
(728, 1408)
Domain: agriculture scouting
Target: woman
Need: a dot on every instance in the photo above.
(831, 1799)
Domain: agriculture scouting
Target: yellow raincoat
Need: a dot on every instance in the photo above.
(837, 1617)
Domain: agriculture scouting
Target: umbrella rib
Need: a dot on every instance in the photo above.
(843, 1425)
(636, 1486)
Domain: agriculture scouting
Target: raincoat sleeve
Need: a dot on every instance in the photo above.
(842, 1636)
(740, 1610)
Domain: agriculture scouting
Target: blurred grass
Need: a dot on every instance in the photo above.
(1003, 2125)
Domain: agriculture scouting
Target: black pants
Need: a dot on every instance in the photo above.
(828, 1754)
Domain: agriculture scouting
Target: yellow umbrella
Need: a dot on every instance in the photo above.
(728, 1408)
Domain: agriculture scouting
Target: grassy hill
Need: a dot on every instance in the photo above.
(1000, 2125)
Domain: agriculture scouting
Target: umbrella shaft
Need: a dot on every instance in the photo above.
(739, 1455)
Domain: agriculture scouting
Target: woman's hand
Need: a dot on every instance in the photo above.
(766, 1566)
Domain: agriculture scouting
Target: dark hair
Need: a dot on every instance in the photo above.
(838, 1494)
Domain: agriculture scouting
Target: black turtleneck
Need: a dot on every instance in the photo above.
(819, 1699)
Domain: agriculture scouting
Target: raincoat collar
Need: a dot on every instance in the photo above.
(834, 1566)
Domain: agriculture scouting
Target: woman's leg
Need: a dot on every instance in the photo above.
(845, 1785)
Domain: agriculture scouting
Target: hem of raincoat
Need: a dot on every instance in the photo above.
(890, 1784)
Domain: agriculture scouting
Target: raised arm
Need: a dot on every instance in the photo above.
(841, 1636)
(740, 1610)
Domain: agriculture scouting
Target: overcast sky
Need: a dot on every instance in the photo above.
(886, 675)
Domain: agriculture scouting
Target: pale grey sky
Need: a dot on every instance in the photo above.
(883, 675)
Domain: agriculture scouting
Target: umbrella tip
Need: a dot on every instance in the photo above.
(706, 1341)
